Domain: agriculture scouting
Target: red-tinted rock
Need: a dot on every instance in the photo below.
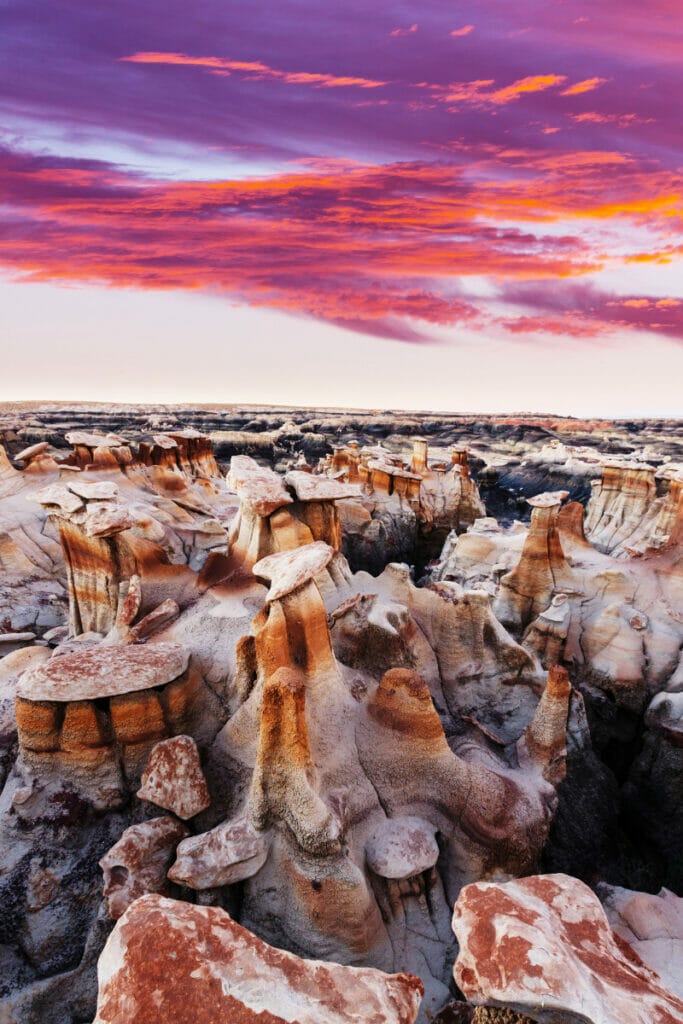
(138, 863)
(174, 962)
(542, 945)
(104, 671)
(173, 778)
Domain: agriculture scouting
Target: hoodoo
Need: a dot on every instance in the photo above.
(542, 570)
(92, 716)
(625, 513)
(405, 509)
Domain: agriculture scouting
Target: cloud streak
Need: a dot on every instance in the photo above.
(386, 250)
(588, 312)
(587, 85)
(411, 30)
(255, 68)
(480, 92)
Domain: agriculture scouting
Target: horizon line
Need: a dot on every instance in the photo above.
(7, 404)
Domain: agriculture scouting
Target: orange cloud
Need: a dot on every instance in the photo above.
(649, 303)
(653, 257)
(479, 93)
(367, 246)
(587, 85)
(256, 68)
(532, 83)
(464, 31)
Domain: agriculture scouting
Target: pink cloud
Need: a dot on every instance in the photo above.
(378, 248)
(404, 31)
(582, 310)
(622, 120)
(464, 31)
(467, 92)
(569, 325)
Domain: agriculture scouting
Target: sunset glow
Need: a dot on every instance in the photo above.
(395, 177)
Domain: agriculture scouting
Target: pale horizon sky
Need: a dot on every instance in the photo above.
(134, 346)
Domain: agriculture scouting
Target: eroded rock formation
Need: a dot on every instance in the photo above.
(542, 570)
(277, 514)
(626, 515)
(348, 782)
(93, 715)
(233, 715)
(405, 510)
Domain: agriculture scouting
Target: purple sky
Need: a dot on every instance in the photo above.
(427, 187)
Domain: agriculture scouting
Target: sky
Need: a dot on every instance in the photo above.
(469, 206)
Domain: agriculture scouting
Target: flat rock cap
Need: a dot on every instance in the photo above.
(104, 519)
(57, 496)
(101, 490)
(32, 451)
(629, 464)
(548, 499)
(105, 670)
(309, 487)
(402, 847)
(76, 437)
(257, 487)
(392, 470)
(164, 441)
(289, 570)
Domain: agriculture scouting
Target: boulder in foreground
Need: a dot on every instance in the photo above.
(543, 945)
(183, 964)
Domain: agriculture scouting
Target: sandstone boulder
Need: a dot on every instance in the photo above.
(229, 853)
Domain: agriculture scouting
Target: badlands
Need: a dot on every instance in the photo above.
(317, 716)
